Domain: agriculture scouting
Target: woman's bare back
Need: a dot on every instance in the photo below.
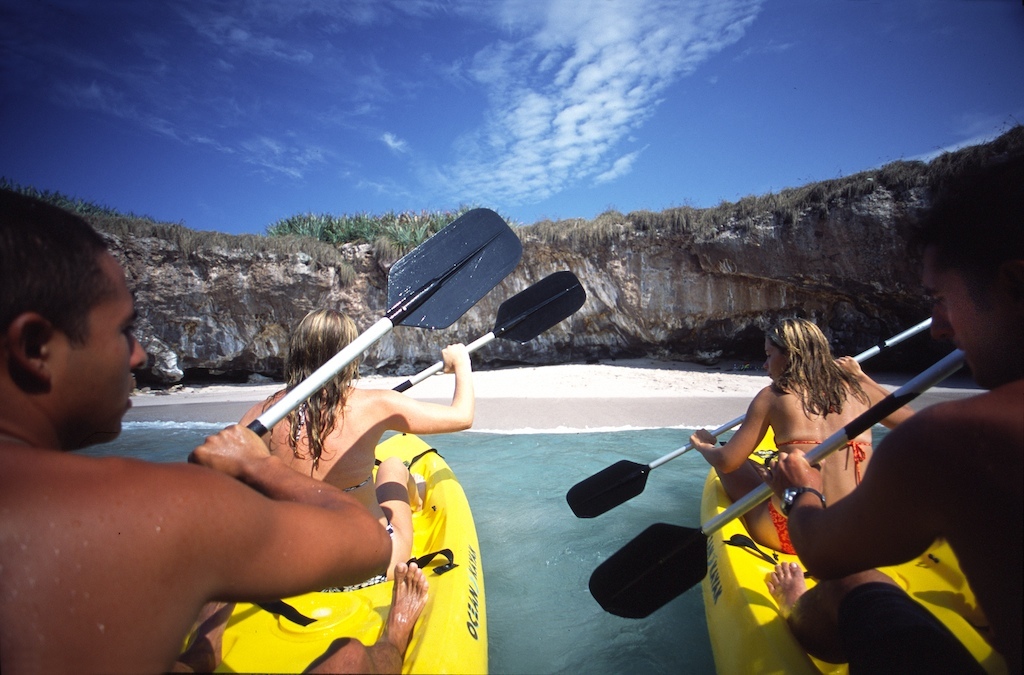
(795, 429)
(347, 458)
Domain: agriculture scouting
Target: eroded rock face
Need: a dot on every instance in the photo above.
(227, 310)
(681, 296)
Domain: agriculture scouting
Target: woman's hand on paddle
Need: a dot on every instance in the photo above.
(230, 451)
(702, 440)
(455, 356)
(851, 365)
(791, 469)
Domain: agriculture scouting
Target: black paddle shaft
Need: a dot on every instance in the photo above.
(524, 316)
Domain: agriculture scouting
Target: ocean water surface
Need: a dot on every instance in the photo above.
(537, 556)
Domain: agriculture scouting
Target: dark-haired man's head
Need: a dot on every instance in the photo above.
(49, 264)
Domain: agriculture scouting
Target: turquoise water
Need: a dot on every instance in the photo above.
(537, 555)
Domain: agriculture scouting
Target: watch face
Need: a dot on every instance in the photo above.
(787, 500)
(790, 494)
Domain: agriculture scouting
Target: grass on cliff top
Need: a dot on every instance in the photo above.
(787, 207)
(391, 235)
(811, 202)
(120, 225)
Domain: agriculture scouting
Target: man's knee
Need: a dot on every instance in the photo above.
(814, 623)
(885, 631)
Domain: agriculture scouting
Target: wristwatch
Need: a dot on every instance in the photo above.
(790, 494)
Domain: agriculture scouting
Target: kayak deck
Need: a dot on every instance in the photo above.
(451, 634)
(749, 635)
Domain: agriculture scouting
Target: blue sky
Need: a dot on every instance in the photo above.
(228, 115)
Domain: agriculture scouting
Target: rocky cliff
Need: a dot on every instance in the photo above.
(685, 283)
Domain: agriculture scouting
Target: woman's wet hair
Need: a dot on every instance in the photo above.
(812, 373)
(319, 336)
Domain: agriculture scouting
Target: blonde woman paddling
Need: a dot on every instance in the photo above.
(812, 395)
(332, 437)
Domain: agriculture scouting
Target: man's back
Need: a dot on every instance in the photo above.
(107, 562)
(956, 471)
(90, 551)
(980, 496)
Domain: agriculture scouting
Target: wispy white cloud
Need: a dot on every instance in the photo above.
(565, 87)
(571, 85)
(973, 129)
(112, 101)
(771, 47)
(91, 96)
(232, 33)
(620, 167)
(394, 142)
(284, 158)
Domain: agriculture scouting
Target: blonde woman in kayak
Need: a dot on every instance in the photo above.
(812, 395)
(332, 437)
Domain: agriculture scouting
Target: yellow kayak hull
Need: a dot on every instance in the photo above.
(451, 634)
(749, 635)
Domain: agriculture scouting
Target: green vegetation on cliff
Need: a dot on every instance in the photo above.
(391, 234)
(786, 207)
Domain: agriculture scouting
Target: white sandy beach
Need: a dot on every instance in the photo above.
(634, 393)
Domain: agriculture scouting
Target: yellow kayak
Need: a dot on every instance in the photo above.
(451, 634)
(748, 635)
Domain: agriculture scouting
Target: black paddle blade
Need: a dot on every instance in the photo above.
(529, 313)
(660, 564)
(436, 282)
(607, 488)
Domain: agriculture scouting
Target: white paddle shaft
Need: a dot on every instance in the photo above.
(439, 366)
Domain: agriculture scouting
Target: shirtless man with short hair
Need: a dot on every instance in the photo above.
(105, 563)
(954, 470)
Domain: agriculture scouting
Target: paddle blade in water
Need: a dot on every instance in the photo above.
(454, 269)
(529, 313)
(658, 565)
(607, 488)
